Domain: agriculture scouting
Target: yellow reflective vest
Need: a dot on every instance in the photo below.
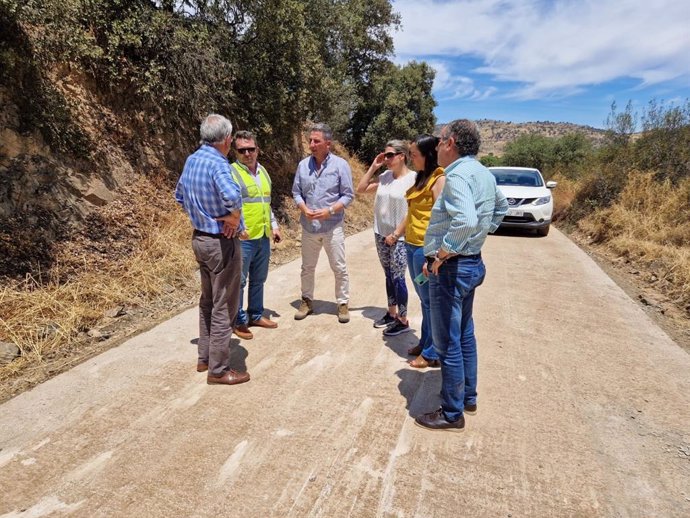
(256, 203)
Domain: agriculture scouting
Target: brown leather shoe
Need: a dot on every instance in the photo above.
(416, 350)
(201, 367)
(229, 378)
(422, 363)
(470, 409)
(243, 332)
(263, 322)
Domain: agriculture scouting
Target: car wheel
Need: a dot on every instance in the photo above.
(543, 231)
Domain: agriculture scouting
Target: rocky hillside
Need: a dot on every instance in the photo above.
(496, 134)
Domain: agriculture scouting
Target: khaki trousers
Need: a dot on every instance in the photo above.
(334, 244)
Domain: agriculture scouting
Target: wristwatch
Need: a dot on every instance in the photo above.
(330, 210)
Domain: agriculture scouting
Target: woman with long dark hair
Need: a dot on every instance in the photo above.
(420, 198)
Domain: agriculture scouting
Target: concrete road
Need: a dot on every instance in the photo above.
(583, 411)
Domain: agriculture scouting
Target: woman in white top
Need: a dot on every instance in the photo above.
(390, 209)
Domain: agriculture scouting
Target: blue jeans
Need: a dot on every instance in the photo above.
(415, 262)
(452, 296)
(255, 256)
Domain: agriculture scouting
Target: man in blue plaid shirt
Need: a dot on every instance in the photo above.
(212, 199)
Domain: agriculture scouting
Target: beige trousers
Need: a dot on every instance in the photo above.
(334, 244)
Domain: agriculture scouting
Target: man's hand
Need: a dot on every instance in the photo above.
(390, 239)
(231, 223)
(319, 214)
(244, 235)
(277, 236)
(435, 266)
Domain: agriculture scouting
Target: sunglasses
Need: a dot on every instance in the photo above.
(390, 155)
(244, 150)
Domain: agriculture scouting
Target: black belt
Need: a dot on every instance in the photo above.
(453, 259)
(206, 234)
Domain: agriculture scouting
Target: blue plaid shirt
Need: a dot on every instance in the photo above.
(469, 207)
(207, 191)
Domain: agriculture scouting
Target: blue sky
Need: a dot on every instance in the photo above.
(555, 60)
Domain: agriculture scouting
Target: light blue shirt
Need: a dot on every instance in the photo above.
(207, 190)
(321, 188)
(469, 207)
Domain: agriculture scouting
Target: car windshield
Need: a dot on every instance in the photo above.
(522, 178)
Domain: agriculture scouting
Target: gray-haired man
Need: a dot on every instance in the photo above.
(213, 202)
(322, 190)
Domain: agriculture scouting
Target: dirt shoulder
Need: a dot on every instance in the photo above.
(640, 283)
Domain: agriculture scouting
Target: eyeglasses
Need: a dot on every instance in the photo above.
(244, 150)
(390, 155)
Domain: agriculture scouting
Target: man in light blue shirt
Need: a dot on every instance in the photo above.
(322, 189)
(213, 202)
(469, 208)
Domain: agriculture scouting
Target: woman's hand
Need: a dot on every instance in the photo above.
(378, 161)
(391, 239)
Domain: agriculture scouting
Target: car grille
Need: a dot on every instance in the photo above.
(526, 218)
(516, 202)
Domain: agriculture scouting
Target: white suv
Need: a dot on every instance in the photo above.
(530, 203)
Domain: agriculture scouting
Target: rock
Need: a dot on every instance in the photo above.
(8, 352)
(115, 312)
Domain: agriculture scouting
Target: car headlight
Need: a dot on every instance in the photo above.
(542, 201)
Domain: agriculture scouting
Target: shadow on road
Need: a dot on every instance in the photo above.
(238, 356)
(420, 390)
(401, 343)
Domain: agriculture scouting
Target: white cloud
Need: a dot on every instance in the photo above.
(551, 48)
(448, 86)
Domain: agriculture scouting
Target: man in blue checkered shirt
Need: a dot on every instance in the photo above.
(212, 199)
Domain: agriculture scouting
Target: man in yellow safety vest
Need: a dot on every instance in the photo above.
(260, 227)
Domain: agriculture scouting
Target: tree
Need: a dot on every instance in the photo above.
(491, 160)
(530, 150)
(620, 126)
(403, 105)
(571, 153)
(664, 146)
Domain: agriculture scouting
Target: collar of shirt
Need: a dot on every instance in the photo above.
(211, 149)
(258, 166)
(459, 161)
(312, 164)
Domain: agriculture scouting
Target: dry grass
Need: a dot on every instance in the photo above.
(45, 317)
(648, 225)
(563, 195)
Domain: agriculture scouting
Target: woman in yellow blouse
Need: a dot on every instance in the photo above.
(420, 198)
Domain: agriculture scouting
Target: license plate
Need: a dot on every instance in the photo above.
(514, 212)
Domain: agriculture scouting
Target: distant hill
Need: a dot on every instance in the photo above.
(496, 134)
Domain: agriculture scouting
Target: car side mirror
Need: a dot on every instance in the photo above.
(551, 184)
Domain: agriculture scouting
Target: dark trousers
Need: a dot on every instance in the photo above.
(220, 264)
